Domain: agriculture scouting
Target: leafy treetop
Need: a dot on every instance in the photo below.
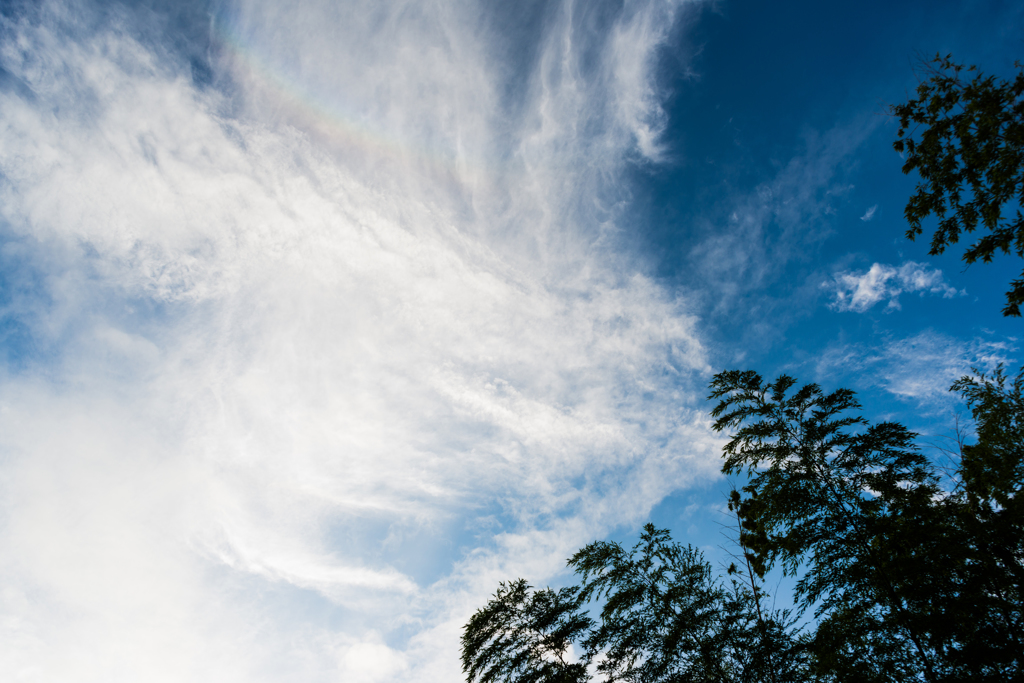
(965, 138)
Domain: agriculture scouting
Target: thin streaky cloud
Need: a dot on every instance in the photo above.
(307, 336)
(919, 368)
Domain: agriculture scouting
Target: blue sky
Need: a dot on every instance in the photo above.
(318, 320)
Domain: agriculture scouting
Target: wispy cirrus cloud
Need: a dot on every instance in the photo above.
(321, 347)
(859, 291)
(918, 368)
(743, 267)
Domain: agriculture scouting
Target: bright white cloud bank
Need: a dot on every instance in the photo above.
(305, 370)
(859, 291)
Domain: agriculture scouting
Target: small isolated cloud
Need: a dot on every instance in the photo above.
(859, 291)
(869, 214)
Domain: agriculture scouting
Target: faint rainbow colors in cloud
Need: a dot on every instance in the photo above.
(400, 299)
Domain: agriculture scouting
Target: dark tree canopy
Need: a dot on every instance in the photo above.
(908, 580)
(663, 617)
(964, 135)
(903, 574)
(903, 571)
(825, 486)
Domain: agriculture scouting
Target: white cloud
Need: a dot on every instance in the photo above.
(870, 213)
(920, 368)
(293, 348)
(859, 291)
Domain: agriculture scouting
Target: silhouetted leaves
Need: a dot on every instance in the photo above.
(524, 636)
(906, 580)
(663, 617)
(965, 138)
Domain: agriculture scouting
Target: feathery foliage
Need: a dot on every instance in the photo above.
(663, 617)
(906, 579)
(908, 576)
